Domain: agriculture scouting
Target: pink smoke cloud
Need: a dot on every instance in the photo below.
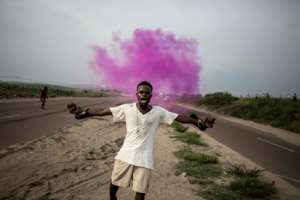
(170, 63)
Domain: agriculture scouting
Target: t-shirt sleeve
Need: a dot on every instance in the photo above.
(118, 113)
(167, 117)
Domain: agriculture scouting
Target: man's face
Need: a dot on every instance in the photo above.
(144, 94)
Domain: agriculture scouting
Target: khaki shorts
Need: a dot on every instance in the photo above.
(125, 174)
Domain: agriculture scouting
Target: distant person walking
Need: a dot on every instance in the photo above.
(44, 96)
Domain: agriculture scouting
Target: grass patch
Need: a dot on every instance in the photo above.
(243, 171)
(199, 158)
(253, 187)
(247, 184)
(198, 166)
(198, 172)
(190, 138)
(178, 127)
(219, 192)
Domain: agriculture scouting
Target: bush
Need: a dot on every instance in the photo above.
(253, 187)
(220, 192)
(242, 171)
(278, 112)
(218, 99)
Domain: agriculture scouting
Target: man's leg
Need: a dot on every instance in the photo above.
(140, 182)
(113, 191)
(139, 196)
(43, 104)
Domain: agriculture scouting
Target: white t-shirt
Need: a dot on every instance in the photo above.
(137, 148)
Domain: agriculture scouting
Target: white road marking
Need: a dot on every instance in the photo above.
(9, 116)
(274, 144)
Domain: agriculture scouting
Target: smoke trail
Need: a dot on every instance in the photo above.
(168, 62)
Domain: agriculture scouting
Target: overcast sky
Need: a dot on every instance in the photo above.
(245, 46)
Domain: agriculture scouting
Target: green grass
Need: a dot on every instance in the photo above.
(190, 138)
(278, 112)
(178, 127)
(13, 90)
(219, 192)
(199, 166)
(244, 188)
(242, 171)
(198, 172)
(253, 187)
(198, 158)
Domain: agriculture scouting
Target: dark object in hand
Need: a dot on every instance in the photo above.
(78, 111)
(203, 125)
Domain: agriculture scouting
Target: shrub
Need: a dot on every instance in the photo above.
(253, 187)
(219, 192)
(242, 171)
(218, 99)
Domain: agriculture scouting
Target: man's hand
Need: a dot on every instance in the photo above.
(78, 112)
(73, 108)
(203, 124)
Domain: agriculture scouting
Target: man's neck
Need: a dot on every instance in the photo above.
(144, 108)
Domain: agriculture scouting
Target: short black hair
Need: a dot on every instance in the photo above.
(144, 83)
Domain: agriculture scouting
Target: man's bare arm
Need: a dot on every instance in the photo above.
(201, 123)
(81, 113)
(187, 120)
(99, 111)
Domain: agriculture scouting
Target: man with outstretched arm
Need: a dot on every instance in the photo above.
(134, 161)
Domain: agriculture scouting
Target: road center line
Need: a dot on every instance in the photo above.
(9, 116)
(274, 144)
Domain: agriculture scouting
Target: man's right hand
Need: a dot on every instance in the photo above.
(203, 124)
(78, 112)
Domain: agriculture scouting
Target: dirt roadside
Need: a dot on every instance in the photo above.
(76, 163)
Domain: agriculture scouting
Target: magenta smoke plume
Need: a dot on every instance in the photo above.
(170, 63)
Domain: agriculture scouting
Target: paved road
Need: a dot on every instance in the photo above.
(23, 120)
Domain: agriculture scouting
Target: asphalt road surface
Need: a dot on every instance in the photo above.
(23, 120)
